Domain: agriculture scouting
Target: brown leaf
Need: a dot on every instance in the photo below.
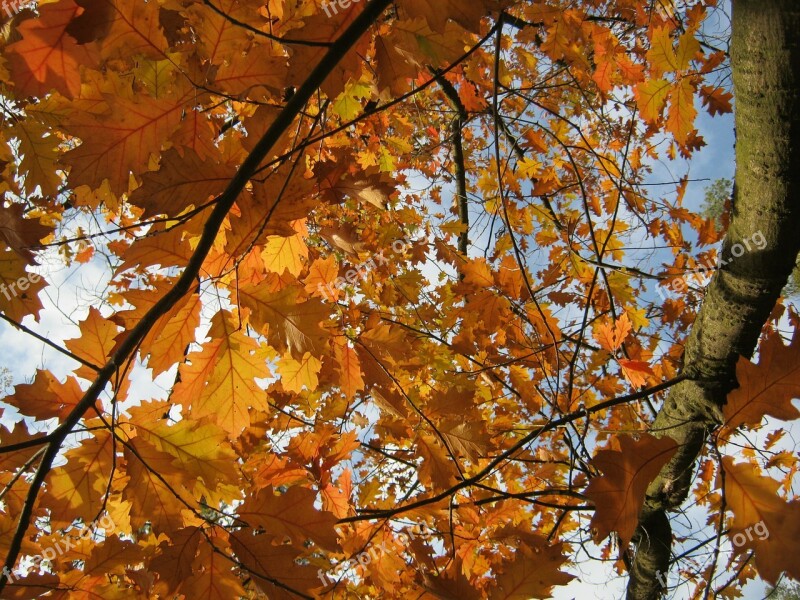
(618, 494)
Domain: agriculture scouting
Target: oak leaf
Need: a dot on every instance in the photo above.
(627, 470)
(291, 514)
(767, 387)
(773, 524)
(48, 57)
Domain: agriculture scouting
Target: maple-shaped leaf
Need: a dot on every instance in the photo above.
(635, 371)
(219, 381)
(395, 70)
(274, 470)
(437, 468)
(467, 439)
(651, 96)
(168, 339)
(285, 254)
(450, 583)
(661, 55)
(768, 387)
(415, 40)
(48, 58)
(200, 450)
(716, 100)
(291, 514)
(773, 524)
(296, 375)
(258, 76)
(627, 470)
(175, 557)
(212, 576)
(9, 461)
(125, 29)
(183, 179)
(322, 273)
(20, 233)
(350, 378)
(336, 183)
(336, 498)
(681, 114)
(166, 245)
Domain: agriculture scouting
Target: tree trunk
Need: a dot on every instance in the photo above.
(765, 59)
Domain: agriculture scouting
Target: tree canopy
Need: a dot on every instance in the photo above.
(432, 324)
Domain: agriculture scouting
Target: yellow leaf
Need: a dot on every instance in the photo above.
(651, 95)
(680, 120)
(763, 521)
(285, 254)
(688, 47)
(299, 374)
(662, 54)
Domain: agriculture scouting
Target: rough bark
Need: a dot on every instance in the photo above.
(765, 59)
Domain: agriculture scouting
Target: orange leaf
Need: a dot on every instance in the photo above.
(611, 337)
(762, 520)
(48, 57)
(532, 574)
(635, 371)
(291, 514)
(95, 343)
(681, 115)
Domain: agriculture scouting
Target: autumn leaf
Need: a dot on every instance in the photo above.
(291, 514)
(183, 179)
(271, 562)
(651, 96)
(635, 371)
(297, 375)
(46, 397)
(121, 140)
(532, 574)
(48, 57)
(220, 381)
(681, 114)
(285, 254)
(767, 387)
(19, 289)
(291, 323)
(76, 489)
(610, 337)
(753, 499)
(95, 342)
(627, 471)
